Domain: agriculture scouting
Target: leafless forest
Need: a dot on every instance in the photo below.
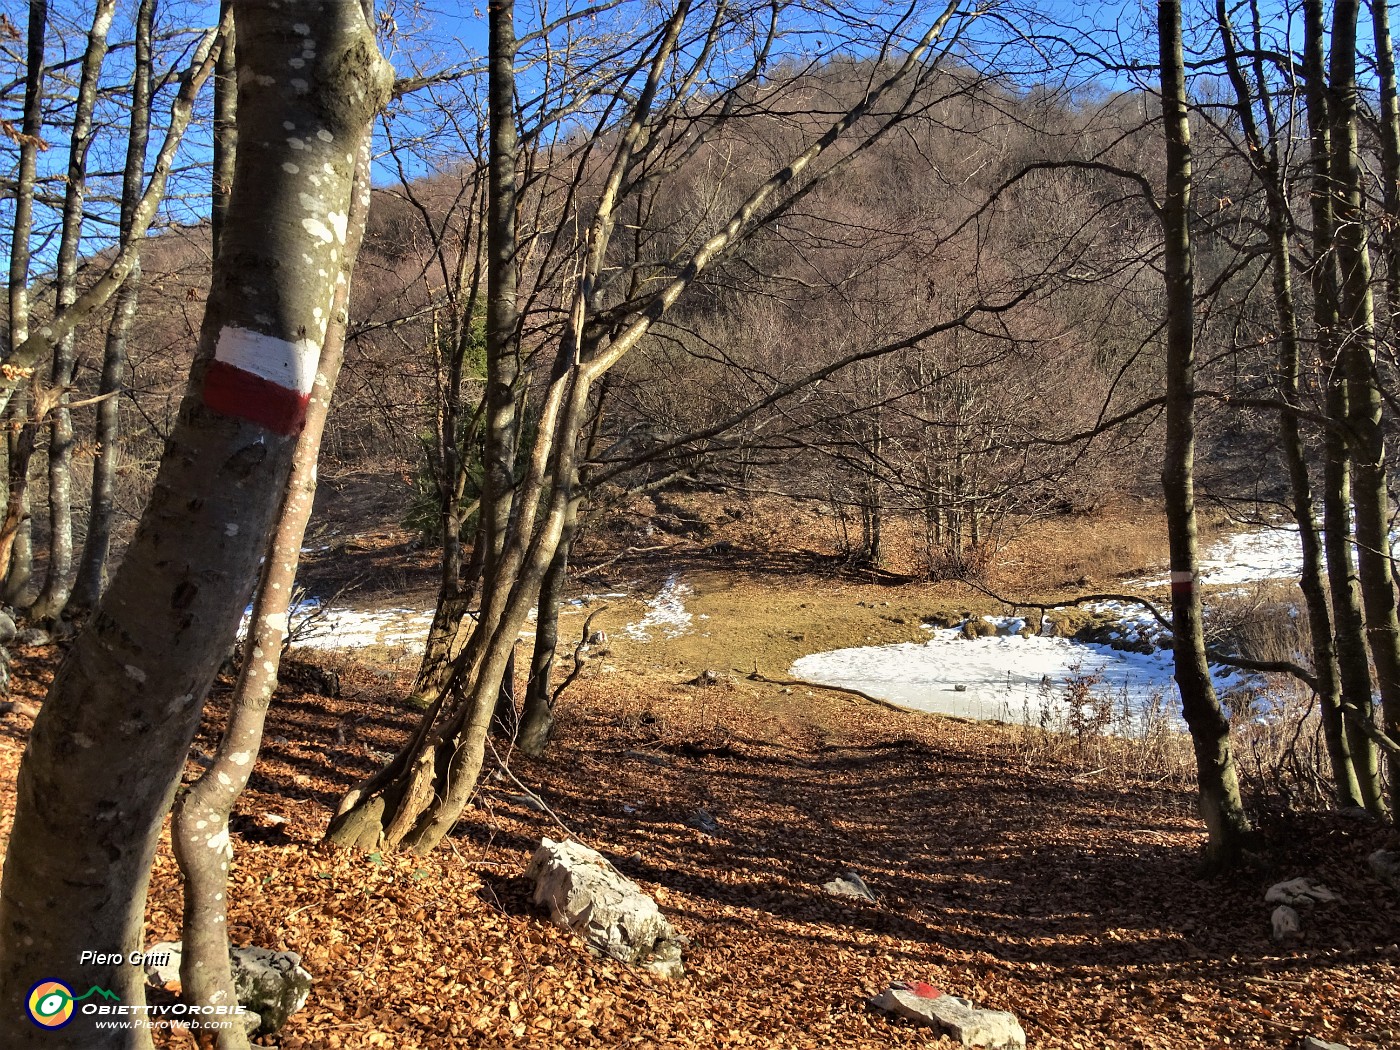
(946, 310)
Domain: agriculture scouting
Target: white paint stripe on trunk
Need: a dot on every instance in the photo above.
(1179, 576)
(290, 365)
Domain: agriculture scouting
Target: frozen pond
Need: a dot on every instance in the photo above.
(1012, 678)
(1008, 678)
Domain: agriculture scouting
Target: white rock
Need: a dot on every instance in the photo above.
(270, 985)
(1286, 923)
(850, 884)
(1299, 893)
(609, 911)
(273, 985)
(1312, 1042)
(958, 1018)
(167, 969)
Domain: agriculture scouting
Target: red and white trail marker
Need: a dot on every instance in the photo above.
(1183, 582)
(261, 378)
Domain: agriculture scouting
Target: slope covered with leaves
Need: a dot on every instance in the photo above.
(1026, 885)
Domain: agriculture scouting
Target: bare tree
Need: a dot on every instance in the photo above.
(54, 593)
(204, 809)
(15, 552)
(1221, 806)
(1261, 149)
(1357, 351)
(106, 752)
(415, 801)
(92, 562)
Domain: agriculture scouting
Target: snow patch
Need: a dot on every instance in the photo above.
(1246, 557)
(666, 613)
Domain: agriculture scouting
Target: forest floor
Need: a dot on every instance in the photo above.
(1009, 868)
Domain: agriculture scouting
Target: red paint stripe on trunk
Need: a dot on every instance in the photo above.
(233, 392)
(1183, 586)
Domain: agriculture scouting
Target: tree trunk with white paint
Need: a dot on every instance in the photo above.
(202, 815)
(108, 747)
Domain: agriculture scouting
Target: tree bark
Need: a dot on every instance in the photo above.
(1353, 663)
(16, 555)
(108, 747)
(537, 716)
(54, 593)
(1261, 149)
(1221, 806)
(1389, 128)
(203, 812)
(91, 579)
(225, 126)
(1358, 355)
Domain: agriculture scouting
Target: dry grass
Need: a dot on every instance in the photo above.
(1105, 736)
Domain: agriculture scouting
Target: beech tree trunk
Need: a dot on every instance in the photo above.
(1388, 127)
(203, 811)
(1261, 145)
(225, 126)
(1358, 354)
(91, 579)
(1353, 662)
(16, 555)
(108, 747)
(1221, 806)
(54, 594)
(537, 715)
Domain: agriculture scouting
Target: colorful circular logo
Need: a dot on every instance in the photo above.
(50, 1004)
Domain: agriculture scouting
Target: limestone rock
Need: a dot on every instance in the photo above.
(1299, 893)
(1312, 1042)
(704, 821)
(31, 637)
(608, 910)
(849, 884)
(956, 1017)
(273, 985)
(1386, 864)
(270, 986)
(163, 969)
(1286, 923)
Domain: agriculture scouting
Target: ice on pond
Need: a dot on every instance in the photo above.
(1007, 677)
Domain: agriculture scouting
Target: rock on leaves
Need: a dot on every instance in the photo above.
(959, 1018)
(608, 910)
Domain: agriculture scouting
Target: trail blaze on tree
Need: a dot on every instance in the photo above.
(106, 753)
